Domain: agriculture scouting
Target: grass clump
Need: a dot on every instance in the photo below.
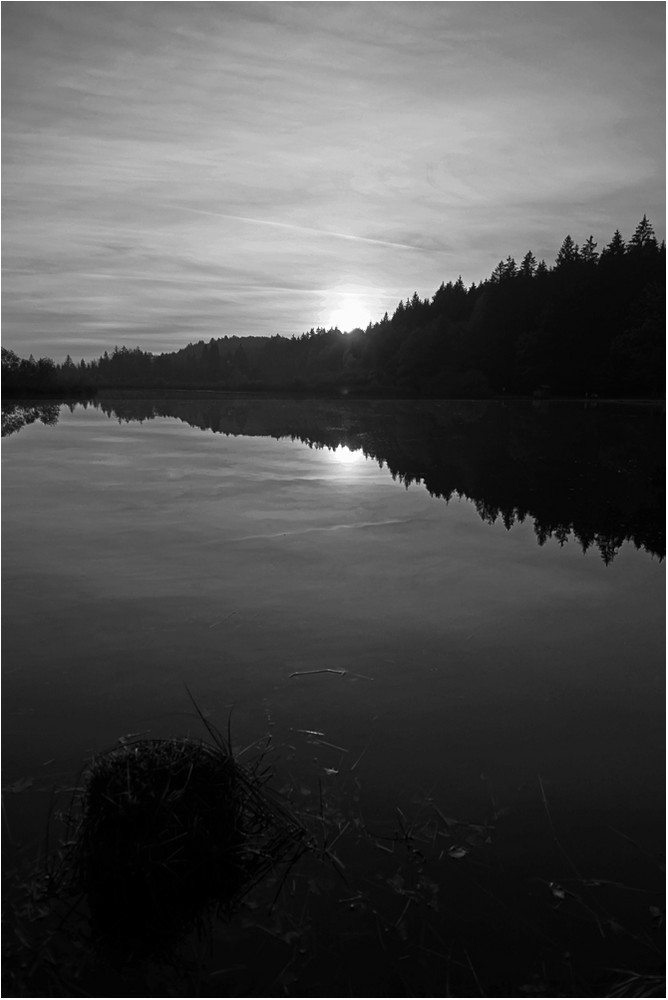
(166, 830)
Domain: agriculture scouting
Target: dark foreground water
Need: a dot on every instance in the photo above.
(483, 584)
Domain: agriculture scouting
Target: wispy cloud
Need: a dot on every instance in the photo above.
(301, 229)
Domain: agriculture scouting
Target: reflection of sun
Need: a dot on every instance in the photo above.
(343, 455)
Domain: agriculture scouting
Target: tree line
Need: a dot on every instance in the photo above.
(592, 323)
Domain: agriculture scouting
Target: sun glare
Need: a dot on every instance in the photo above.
(343, 455)
(347, 311)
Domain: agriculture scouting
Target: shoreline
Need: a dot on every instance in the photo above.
(16, 396)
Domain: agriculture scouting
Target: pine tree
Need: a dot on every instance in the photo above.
(504, 269)
(510, 267)
(497, 273)
(588, 252)
(616, 247)
(569, 253)
(528, 265)
(643, 239)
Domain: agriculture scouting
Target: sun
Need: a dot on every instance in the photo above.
(347, 312)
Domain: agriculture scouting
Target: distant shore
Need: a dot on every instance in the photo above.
(17, 393)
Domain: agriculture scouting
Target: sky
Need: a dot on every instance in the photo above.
(173, 172)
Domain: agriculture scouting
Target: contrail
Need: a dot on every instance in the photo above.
(299, 229)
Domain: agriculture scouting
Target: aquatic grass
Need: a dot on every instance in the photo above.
(638, 984)
(161, 834)
(166, 829)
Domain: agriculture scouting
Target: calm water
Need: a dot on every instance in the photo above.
(488, 576)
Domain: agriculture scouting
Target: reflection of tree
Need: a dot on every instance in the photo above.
(17, 415)
(593, 473)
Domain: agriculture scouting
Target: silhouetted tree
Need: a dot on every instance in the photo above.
(616, 247)
(568, 253)
(588, 252)
(528, 265)
(643, 239)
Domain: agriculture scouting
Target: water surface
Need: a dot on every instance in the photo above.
(488, 576)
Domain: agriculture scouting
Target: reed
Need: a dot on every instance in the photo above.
(165, 831)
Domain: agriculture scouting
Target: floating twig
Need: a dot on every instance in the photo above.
(634, 844)
(324, 670)
(446, 822)
(340, 833)
(403, 912)
(329, 670)
(324, 743)
(474, 973)
(353, 766)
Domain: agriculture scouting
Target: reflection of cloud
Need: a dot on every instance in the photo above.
(322, 528)
(200, 161)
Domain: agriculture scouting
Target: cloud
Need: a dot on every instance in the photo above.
(309, 230)
(172, 169)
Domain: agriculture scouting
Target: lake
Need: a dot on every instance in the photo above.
(435, 609)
